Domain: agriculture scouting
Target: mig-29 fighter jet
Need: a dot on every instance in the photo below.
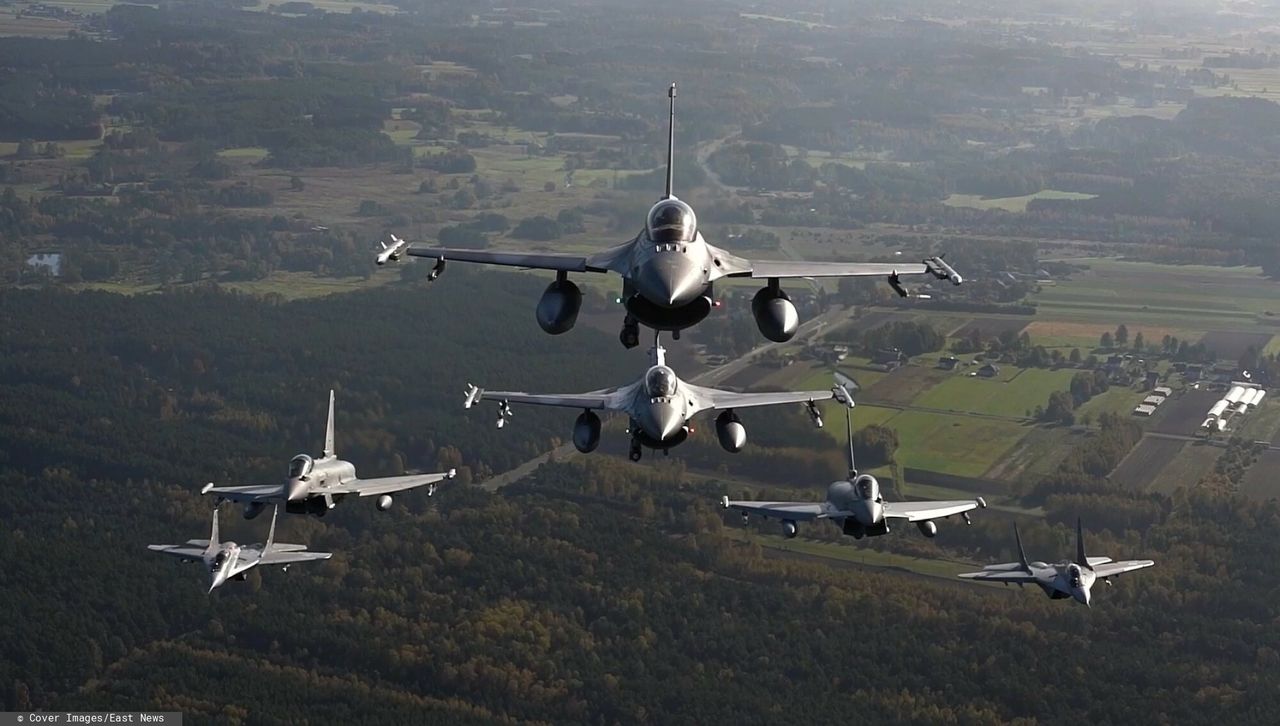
(855, 503)
(1064, 579)
(230, 561)
(668, 271)
(660, 406)
(314, 486)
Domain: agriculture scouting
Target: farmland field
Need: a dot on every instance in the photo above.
(1183, 414)
(1141, 467)
(1185, 469)
(960, 445)
(1012, 393)
(1010, 204)
(1261, 481)
(1117, 399)
(992, 327)
(904, 385)
(1233, 344)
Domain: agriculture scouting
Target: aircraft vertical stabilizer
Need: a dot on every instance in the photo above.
(671, 143)
(328, 429)
(1022, 553)
(1080, 556)
(213, 533)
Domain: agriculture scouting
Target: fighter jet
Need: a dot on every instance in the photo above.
(668, 272)
(660, 407)
(228, 560)
(1062, 580)
(314, 486)
(393, 251)
(855, 503)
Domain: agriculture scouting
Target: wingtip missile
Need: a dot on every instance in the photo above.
(392, 252)
(206, 488)
(452, 473)
(939, 268)
(724, 502)
(473, 394)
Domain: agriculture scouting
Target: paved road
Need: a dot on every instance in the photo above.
(709, 378)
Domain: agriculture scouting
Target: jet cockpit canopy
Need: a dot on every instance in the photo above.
(300, 466)
(660, 382)
(671, 220)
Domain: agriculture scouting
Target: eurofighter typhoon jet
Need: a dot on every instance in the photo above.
(855, 503)
(668, 271)
(230, 561)
(1062, 580)
(316, 485)
(660, 407)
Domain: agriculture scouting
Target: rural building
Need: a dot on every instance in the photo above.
(948, 362)
(1193, 373)
(1153, 400)
(1144, 410)
(1162, 391)
(888, 360)
(50, 262)
(990, 370)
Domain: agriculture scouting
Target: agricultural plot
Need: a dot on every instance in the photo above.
(1117, 399)
(1183, 414)
(1012, 393)
(1010, 204)
(959, 445)
(1191, 464)
(1141, 467)
(1261, 482)
(1086, 336)
(1139, 294)
(904, 385)
(1263, 423)
(992, 327)
(1233, 344)
(1035, 455)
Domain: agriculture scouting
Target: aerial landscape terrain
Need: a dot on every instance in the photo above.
(192, 198)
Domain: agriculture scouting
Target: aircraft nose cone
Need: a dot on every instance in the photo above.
(296, 490)
(1084, 596)
(670, 280)
(662, 422)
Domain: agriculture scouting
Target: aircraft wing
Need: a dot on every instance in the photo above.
(794, 511)
(286, 554)
(250, 493)
(1008, 572)
(184, 551)
(714, 398)
(387, 484)
(921, 511)
(759, 269)
(533, 260)
(612, 399)
(1111, 569)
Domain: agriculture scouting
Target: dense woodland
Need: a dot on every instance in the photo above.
(597, 591)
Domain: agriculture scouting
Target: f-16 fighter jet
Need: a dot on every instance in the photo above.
(668, 271)
(316, 485)
(230, 561)
(660, 407)
(1063, 580)
(855, 503)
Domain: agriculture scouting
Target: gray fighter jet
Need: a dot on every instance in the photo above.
(1062, 580)
(230, 561)
(668, 271)
(314, 486)
(660, 406)
(855, 503)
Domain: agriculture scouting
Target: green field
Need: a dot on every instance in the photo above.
(1117, 399)
(1010, 204)
(1012, 393)
(961, 445)
(1184, 298)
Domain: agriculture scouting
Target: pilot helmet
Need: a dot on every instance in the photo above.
(661, 382)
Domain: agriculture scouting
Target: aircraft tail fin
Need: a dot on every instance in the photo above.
(328, 429)
(1022, 553)
(1081, 559)
(213, 533)
(671, 142)
(271, 533)
(844, 395)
